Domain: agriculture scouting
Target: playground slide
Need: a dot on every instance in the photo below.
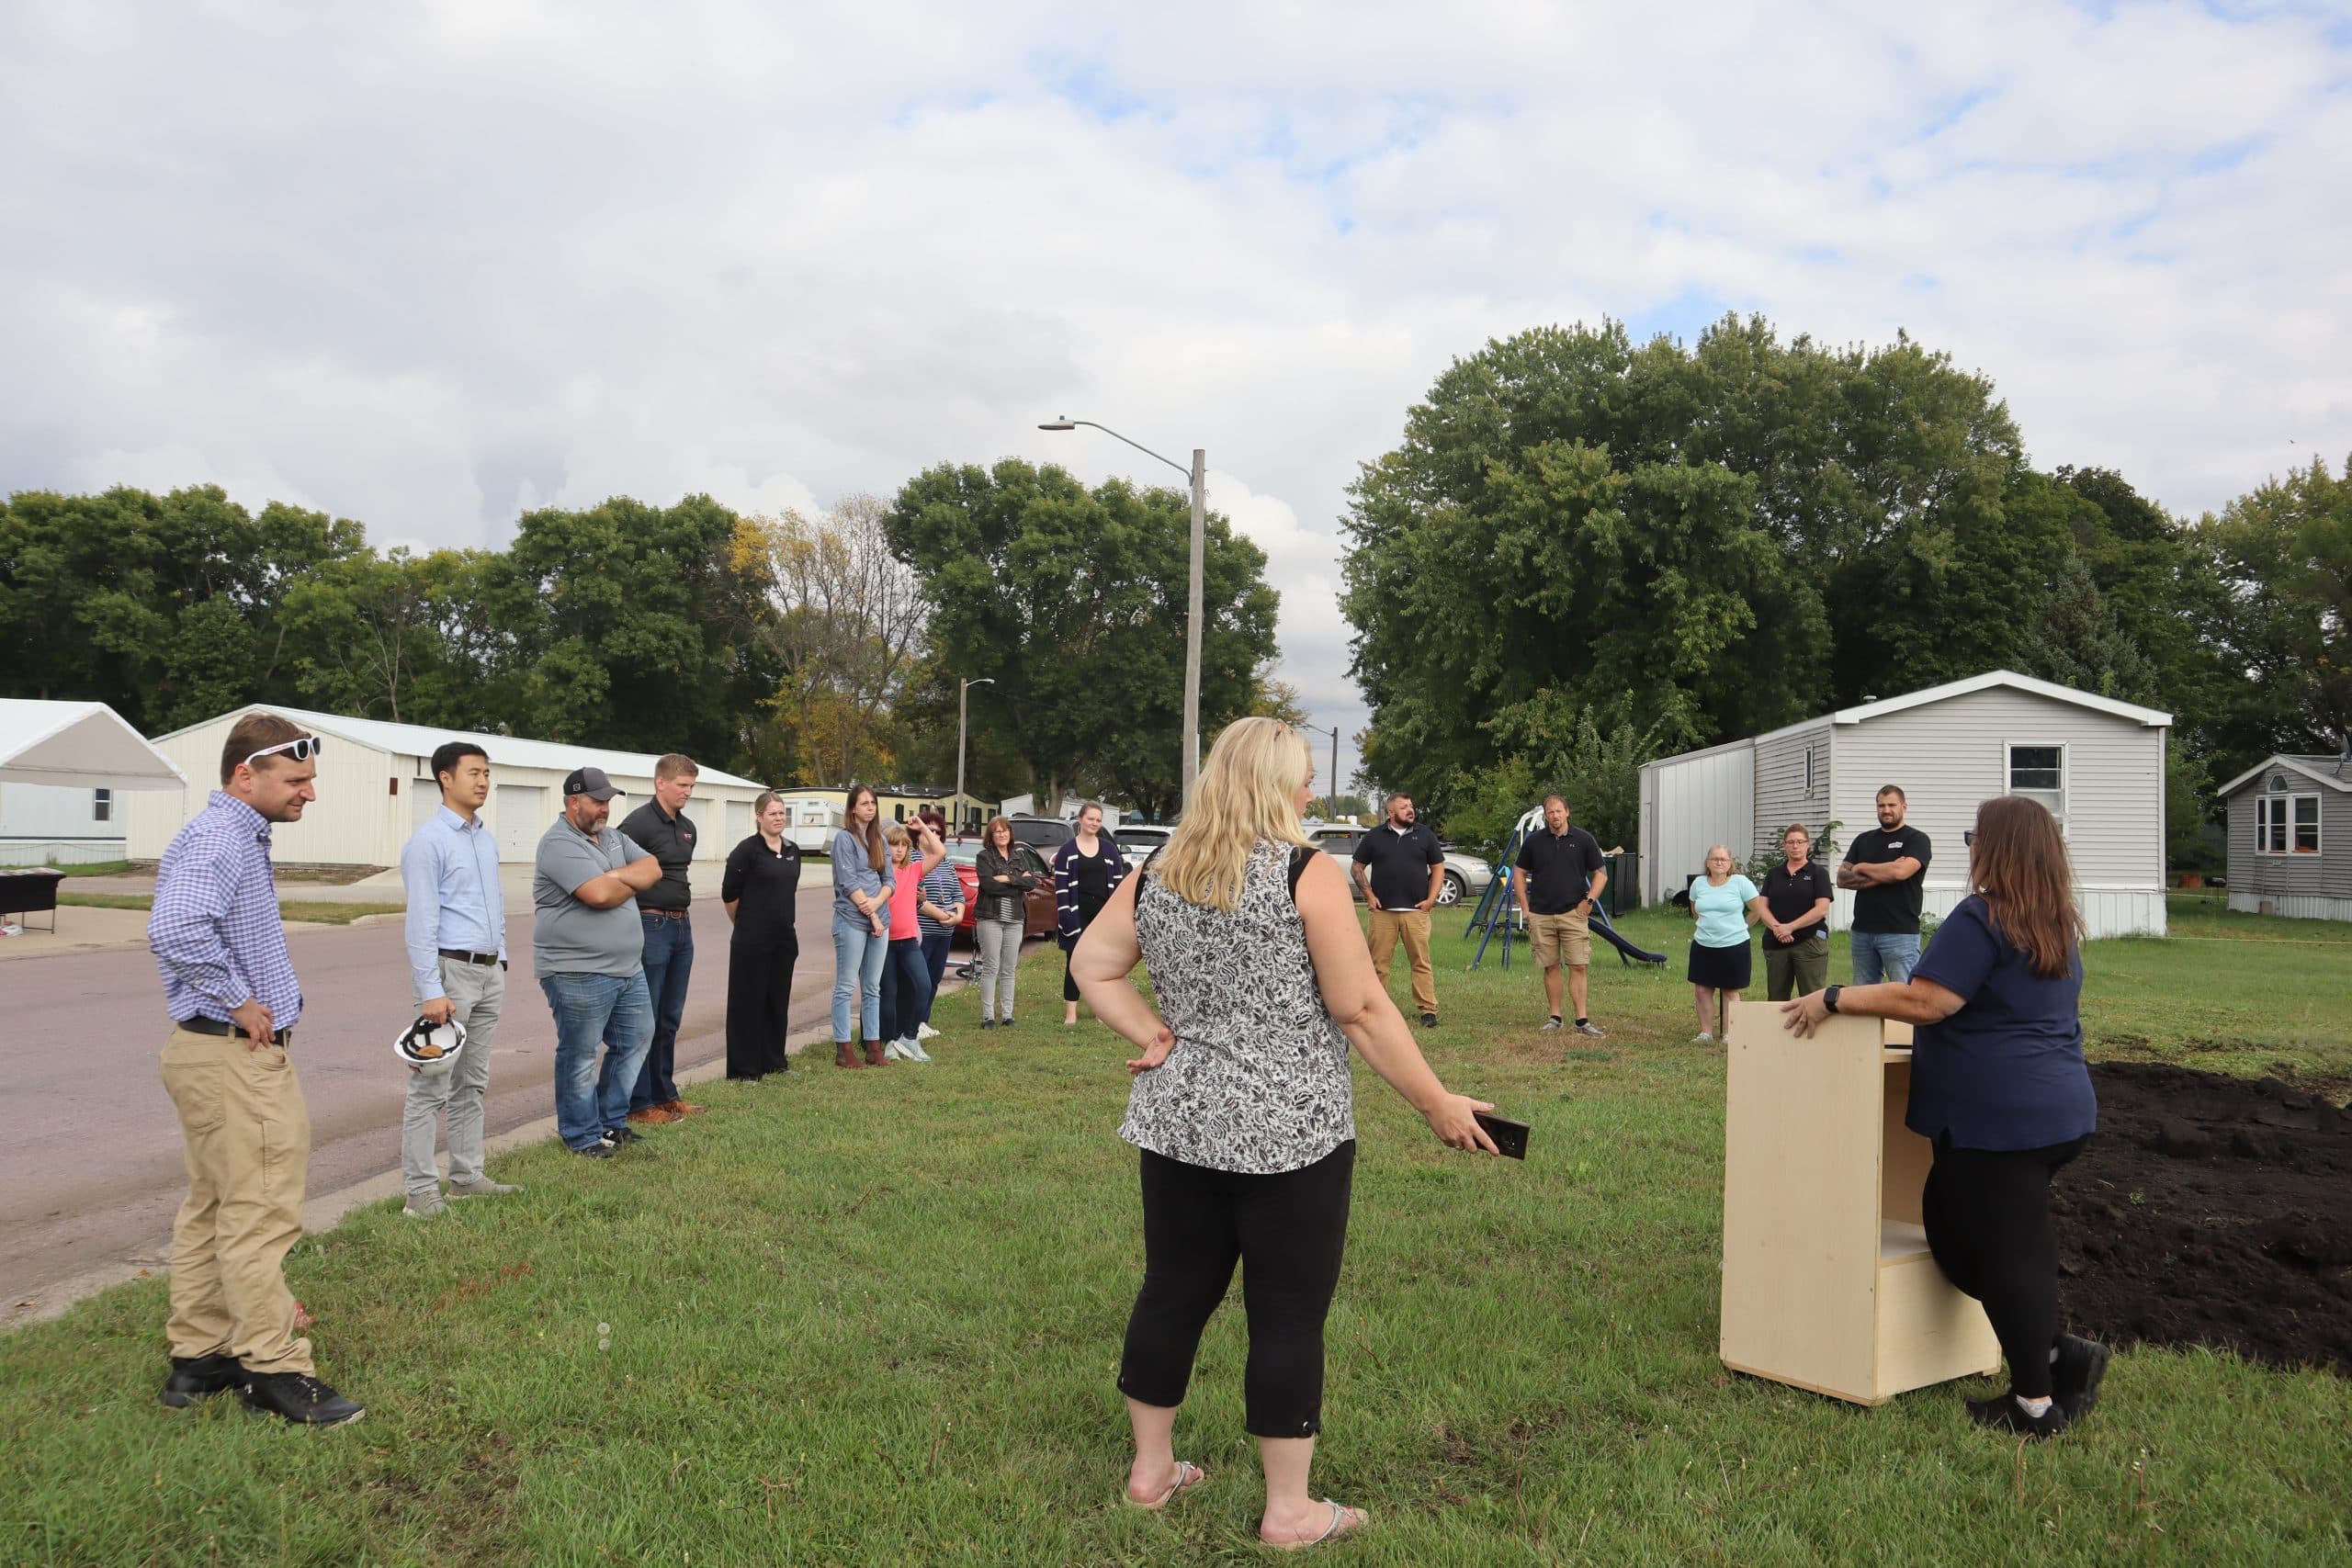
(1625, 949)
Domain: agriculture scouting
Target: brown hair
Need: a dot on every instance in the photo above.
(1796, 827)
(936, 818)
(988, 834)
(761, 802)
(252, 733)
(2019, 865)
(1894, 790)
(677, 764)
(877, 858)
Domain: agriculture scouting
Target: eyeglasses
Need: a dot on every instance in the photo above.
(1969, 837)
(301, 749)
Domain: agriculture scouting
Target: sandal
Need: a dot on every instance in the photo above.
(1188, 1474)
(1344, 1522)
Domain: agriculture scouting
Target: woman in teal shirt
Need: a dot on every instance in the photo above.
(1722, 903)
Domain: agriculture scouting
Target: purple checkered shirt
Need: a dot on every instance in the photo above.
(216, 932)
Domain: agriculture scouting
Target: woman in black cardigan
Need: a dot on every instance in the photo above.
(760, 890)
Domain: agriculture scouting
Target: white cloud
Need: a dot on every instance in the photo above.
(429, 267)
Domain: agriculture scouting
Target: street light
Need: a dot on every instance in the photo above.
(1198, 474)
(1331, 793)
(961, 692)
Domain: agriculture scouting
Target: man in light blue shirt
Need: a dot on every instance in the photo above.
(456, 959)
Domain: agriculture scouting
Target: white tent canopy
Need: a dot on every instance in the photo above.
(78, 746)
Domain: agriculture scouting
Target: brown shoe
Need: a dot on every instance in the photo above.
(842, 1057)
(652, 1116)
(874, 1057)
(680, 1108)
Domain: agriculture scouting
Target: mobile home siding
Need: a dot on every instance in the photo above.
(1702, 798)
(2302, 886)
(1781, 795)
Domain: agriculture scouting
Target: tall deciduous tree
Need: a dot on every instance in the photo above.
(1073, 602)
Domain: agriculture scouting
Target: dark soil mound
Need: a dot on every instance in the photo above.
(2210, 1211)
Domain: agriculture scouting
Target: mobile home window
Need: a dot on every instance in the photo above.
(2039, 773)
(2285, 824)
(102, 806)
(1808, 770)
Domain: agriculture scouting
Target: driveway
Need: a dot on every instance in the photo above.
(94, 1163)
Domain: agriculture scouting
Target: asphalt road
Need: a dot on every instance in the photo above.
(92, 1166)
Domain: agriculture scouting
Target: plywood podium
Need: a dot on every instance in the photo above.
(1828, 1281)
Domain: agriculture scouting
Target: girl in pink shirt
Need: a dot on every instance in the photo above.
(905, 978)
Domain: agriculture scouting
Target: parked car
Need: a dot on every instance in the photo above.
(1465, 874)
(1137, 840)
(1040, 917)
(1044, 834)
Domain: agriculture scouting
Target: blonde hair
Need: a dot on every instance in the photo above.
(1708, 858)
(897, 837)
(1248, 791)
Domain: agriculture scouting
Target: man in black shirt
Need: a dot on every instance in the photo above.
(1795, 932)
(662, 830)
(1557, 880)
(1887, 868)
(1401, 868)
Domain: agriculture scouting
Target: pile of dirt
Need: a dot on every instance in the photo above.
(2210, 1211)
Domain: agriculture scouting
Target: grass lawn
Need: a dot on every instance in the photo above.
(874, 1317)
(316, 913)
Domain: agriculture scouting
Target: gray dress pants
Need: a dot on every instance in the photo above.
(476, 993)
(1000, 942)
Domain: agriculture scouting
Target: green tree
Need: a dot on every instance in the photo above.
(2282, 626)
(1073, 603)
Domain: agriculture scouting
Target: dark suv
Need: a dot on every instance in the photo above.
(1044, 834)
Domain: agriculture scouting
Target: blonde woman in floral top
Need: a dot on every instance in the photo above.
(1242, 1106)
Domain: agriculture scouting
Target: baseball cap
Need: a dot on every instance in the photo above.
(591, 783)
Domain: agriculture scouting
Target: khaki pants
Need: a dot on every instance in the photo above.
(248, 1137)
(1804, 968)
(1413, 925)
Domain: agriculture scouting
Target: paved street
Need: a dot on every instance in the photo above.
(93, 1169)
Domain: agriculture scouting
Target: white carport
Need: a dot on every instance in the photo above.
(62, 765)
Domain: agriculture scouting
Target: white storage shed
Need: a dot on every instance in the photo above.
(2097, 763)
(375, 784)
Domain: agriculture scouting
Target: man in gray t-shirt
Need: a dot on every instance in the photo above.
(590, 957)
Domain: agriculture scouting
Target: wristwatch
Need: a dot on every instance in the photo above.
(1829, 996)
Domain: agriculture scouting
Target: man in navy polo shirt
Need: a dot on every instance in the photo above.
(1400, 868)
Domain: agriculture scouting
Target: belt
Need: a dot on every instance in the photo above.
(202, 1025)
(663, 914)
(485, 959)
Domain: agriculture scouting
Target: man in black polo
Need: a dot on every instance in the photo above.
(1886, 869)
(662, 830)
(1795, 932)
(1400, 868)
(1558, 879)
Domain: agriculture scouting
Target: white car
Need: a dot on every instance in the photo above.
(1465, 875)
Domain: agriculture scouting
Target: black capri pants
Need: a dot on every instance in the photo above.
(1287, 1231)
(1986, 1212)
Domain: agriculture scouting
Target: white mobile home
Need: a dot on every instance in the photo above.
(2097, 763)
(2291, 838)
(375, 784)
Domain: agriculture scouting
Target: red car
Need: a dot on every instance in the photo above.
(1043, 915)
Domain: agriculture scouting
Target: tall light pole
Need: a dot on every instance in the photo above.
(1199, 476)
(1331, 793)
(963, 692)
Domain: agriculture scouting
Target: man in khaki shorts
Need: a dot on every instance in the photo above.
(1557, 879)
(228, 986)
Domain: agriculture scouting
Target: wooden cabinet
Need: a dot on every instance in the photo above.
(1828, 1281)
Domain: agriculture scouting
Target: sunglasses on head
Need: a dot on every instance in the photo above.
(301, 749)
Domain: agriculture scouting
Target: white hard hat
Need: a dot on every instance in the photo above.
(431, 1048)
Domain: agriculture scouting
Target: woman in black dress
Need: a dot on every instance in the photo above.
(1087, 871)
(760, 890)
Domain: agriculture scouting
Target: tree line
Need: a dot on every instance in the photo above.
(789, 648)
(1586, 553)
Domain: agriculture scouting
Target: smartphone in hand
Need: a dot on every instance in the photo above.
(1510, 1136)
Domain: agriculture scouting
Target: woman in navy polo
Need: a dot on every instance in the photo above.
(1999, 1086)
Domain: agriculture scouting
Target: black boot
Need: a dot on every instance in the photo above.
(200, 1376)
(2074, 1375)
(301, 1398)
(2003, 1413)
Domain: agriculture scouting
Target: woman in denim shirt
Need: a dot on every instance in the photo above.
(861, 926)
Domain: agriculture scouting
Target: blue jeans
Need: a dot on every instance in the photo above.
(615, 1011)
(1885, 955)
(669, 965)
(934, 958)
(858, 956)
(906, 989)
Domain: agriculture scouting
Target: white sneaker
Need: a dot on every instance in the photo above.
(912, 1051)
(889, 1049)
(925, 1032)
(1702, 1038)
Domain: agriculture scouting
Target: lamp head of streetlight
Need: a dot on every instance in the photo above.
(1059, 424)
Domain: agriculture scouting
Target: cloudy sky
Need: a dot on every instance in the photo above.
(431, 265)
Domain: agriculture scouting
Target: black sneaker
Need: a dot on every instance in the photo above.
(301, 1398)
(1428, 1020)
(615, 1136)
(595, 1150)
(200, 1376)
(988, 1023)
(2074, 1376)
(2003, 1413)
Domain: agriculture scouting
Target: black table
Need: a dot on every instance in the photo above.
(30, 891)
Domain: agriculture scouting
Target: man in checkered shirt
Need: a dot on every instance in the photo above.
(228, 986)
